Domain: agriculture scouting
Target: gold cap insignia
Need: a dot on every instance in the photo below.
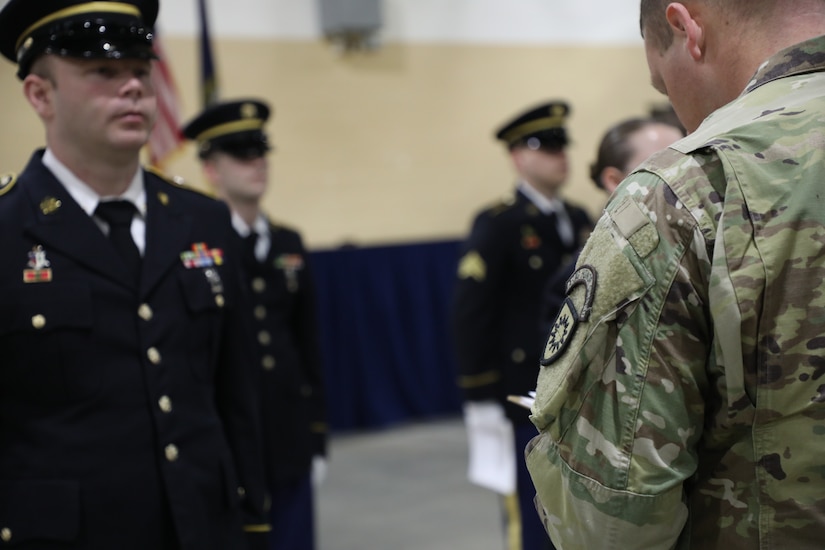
(249, 110)
(21, 51)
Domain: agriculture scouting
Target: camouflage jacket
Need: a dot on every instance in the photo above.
(681, 401)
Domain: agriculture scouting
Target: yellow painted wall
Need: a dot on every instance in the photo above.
(394, 145)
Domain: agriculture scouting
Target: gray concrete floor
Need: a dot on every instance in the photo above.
(405, 488)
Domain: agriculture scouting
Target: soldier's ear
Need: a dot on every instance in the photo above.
(686, 23)
(611, 177)
(210, 170)
(38, 90)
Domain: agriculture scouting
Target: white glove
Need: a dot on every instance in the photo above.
(319, 471)
(491, 447)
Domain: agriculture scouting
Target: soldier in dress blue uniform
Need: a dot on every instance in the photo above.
(127, 419)
(233, 147)
(512, 250)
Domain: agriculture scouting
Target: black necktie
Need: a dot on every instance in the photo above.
(119, 214)
(249, 243)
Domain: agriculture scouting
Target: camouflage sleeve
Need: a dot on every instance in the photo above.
(619, 400)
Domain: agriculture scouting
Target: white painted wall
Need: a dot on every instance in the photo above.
(525, 22)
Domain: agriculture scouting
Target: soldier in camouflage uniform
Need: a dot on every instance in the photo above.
(681, 403)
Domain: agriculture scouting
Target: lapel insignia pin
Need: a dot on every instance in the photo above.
(163, 198)
(39, 270)
(50, 205)
(201, 256)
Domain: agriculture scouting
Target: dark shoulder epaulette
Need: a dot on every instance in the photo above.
(179, 182)
(7, 181)
(278, 226)
(502, 206)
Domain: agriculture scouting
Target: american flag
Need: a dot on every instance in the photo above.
(166, 137)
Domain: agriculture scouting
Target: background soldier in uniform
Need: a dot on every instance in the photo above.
(233, 148)
(681, 403)
(512, 250)
(623, 147)
(125, 420)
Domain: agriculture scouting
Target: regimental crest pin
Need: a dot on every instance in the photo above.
(201, 256)
(291, 264)
(529, 238)
(39, 267)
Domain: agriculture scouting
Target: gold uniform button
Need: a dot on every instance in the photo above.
(264, 338)
(154, 356)
(220, 300)
(518, 355)
(171, 452)
(38, 321)
(258, 285)
(165, 404)
(5, 534)
(536, 262)
(145, 312)
(241, 492)
(260, 313)
(268, 362)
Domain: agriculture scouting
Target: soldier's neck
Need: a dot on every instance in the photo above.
(248, 211)
(107, 175)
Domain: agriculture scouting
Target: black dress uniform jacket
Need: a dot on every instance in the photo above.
(512, 250)
(288, 355)
(125, 413)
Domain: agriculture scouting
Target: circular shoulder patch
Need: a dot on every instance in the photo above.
(562, 331)
(7, 181)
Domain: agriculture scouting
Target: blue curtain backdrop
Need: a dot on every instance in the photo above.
(384, 314)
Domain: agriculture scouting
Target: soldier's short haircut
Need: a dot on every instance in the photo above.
(653, 25)
(42, 67)
(656, 30)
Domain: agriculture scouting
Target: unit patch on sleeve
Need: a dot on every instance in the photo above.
(568, 318)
